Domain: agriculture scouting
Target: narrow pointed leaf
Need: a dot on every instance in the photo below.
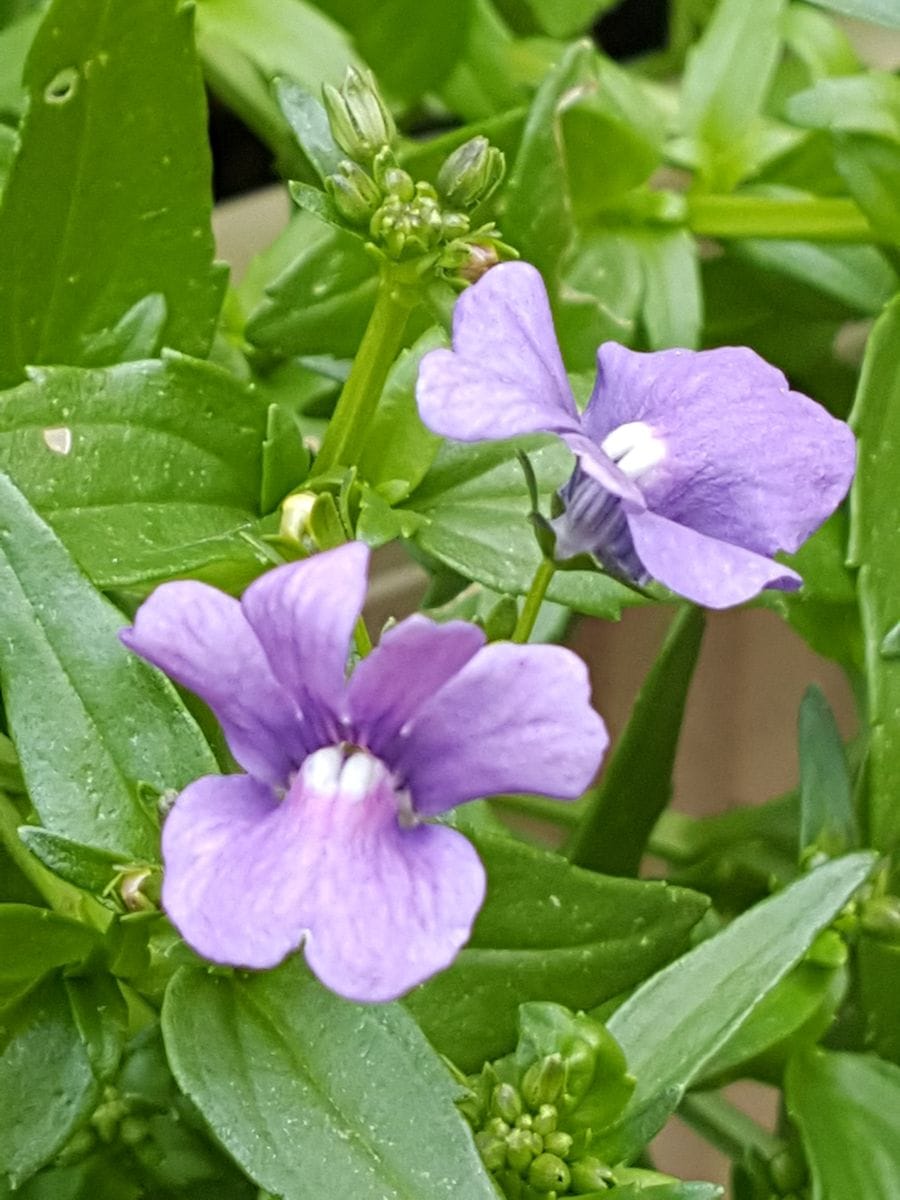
(827, 820)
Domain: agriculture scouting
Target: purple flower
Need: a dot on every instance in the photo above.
(694, 468)
(324, 842)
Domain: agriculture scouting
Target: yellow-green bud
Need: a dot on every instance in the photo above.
(399, 183)
(525, 1121)
(881, 917)
(559, 1143)
(471, 173)
(492, 1150)
(519, 1150)
(295, 513)
(360, 120)
(590, 1175)
(354, 194)
(545, 1120)
(498, 1127)
(549, 1174)
(506, 1102)
(543, 1082)
(454, 225)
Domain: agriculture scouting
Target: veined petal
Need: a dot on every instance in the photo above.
(413, 660)
(303, 615)
(704, 569)
(594, 522)
(200, 637)
(746, 459)
(380, 907)
(514, 719)
(504, 375)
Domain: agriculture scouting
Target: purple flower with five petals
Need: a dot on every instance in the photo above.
(325, 841)
(693, 467)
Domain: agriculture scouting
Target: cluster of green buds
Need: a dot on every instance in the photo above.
(535, 1112)
(403, 217)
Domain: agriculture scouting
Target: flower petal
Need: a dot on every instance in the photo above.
(304, 614)
(746, 459)
(504, 375)
(414, 659)
(199, 636)
(514, 719)
(704, 569)
(380, 907)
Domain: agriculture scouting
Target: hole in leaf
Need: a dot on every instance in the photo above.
(62, 86)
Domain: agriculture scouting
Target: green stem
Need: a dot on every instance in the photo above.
(824, 219)
(534, 600)
(346, 434)
(554, 811)
(727, 1128)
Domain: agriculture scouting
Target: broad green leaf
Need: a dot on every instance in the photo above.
(846, 1106)
(547, 931)
(77, 256)
(476, 505)
(602, 286)
(485, 81)
(674, 1024)
(399, 449)
(85, 866)
(637, 782)
(726, 79)
(321, 302)
(875, 549)
(91, 721)
(47, 1085)
(35, 940)
(15, 41)
(880, 12)
(827, 819)
(145, 469)
(565, 18)
(313, 1095)
(245, 44)
(672, 312)
(858, 277)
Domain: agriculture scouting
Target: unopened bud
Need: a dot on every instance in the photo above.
(590, 1175)
(360, 120)
(881, 917)
(492, 1150)
(398, 183)
(558, 1143)
(545, 1121)
(354, 194)
(549, 1174)
(295, 513)
(498, 1127)
(479, 261)
(519, 1150)
(471, 173)
(454, 225)
(506, 1102)
(543, 1082)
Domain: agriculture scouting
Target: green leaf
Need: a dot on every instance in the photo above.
(565, 18)
(144, 469)
(726, 79)
(858, 277)
(875, 549)
(15, 40)
(246, 44)
(90, 720)
(547, 931)
(307, 118)
(313, 1095)
(673, 297)
(673, 1025)
(320, 303)
(78, 254)
(881, 12)
(101, 1017)
(47, 1086)
(846, 1106)
(476, 505)
(637, 783)
(399, 449)
(827, 819)
(285, 458)
(879, 984)
(85, 866)
(35, 940)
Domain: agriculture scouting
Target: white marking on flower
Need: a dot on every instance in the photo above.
(358, 776)
(321, 772)
(58, 439)
(635, 447)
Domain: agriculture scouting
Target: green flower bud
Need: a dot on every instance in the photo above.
(543, 1082)
(788, 1171)
(498, 1127)
(881, 917)
(360, 120)
(506, 1102)
(559, 1143)
(480, 260)
(398, 183)
(549, 1174)
(590, 1175)
(454, 225)
(525, 1121)
(492, 1150)
(354, 194)
(545, 1121)
(471, 173)
(134, 1130)
(520, 1150)
(511, 1184)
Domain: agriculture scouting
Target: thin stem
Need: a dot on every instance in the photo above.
(346, 434)
(554, 811)
(823, 219)
(534, 600)
(727, 1128)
